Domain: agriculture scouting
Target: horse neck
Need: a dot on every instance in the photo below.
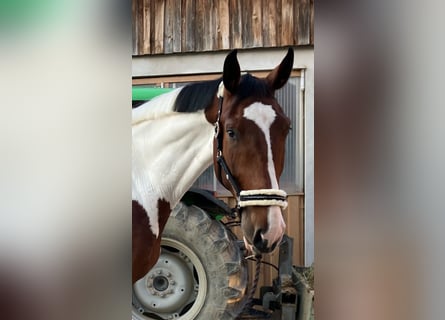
(170, 151)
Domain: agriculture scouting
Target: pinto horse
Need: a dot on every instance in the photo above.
(234, 121)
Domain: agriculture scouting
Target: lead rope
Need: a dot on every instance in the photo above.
(249, 303)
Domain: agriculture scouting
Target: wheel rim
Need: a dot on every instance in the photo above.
(175, 288)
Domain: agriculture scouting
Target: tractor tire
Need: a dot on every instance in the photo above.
(200, 274)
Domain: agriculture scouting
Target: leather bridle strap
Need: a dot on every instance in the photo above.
(219, 146)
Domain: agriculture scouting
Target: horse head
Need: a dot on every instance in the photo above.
(249, 149)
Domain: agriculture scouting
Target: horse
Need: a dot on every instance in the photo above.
(233, 121)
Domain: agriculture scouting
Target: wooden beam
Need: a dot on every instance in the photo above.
(197, 77)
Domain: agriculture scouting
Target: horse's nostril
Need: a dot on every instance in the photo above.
(259, 242)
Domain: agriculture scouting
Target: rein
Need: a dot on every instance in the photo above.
(244, 198)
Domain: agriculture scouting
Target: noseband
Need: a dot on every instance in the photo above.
(245, 198)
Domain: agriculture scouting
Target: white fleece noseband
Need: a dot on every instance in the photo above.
(263, 197)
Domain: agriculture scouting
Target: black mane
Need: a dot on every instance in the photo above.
(196, 96)
(200, 95)
(251, 86)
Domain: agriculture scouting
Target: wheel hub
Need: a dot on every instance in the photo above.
(168, 287)
(160, 283)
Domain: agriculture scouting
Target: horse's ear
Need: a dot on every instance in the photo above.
(232, 72)
(279, 76)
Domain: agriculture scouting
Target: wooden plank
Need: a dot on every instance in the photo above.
(302, 25)
(189, 24)
(302, 235)
(215, 17)
(264, 73)
(134, 26)
(294, 226)
(175, 79)
(236, 22)
(247, 33)
(197, 77)
(296, 20)
(265, 22)
(209, 24)
(168, 25)
(223, 25)
(177, 23)
(172, 26)
(312, 23)
(139, 37)
(152, 25)
(257, 31)
(278, 21)
(146, 27)
(272, 23)
(199, 24)
(287, 23)
(159, 26)
(183, 25)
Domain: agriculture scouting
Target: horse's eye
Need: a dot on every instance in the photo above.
(231, 133)
(288, 129)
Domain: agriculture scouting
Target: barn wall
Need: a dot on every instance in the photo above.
(179, 26)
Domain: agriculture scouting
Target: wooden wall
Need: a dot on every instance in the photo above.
(174, 26)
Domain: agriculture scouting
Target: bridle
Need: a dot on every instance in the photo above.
(244, 198)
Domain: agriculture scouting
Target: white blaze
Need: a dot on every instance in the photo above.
(263, 116)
